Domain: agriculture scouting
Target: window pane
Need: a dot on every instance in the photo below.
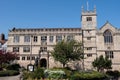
(33, 58)
(28, 57)
(23, 58)
(88, 38)
(18, 58)
(89, 48)
(108, 37)
(43, 38)
(26, 49)
(109, 54)
(35, 39)
(89, 19)
(58, 38)
(15, 49)
(70, 37)
(16, 39)
(51, 38)
(43, 49)
(26, 38)
(89, 55)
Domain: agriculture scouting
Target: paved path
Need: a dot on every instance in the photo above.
(10, 78)
(15, 78)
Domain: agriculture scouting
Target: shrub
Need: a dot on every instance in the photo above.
(114, 74)
(37, 74)
(25, 75)
(9, 73)
(13, 67)
(54, 74)
(68, 71)
(88, 76)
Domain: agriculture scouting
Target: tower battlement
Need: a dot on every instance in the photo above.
(88, 12)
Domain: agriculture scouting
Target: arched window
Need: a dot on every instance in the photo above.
(108, 37)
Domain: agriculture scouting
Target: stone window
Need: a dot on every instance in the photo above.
(23, 58)
(51, 38)
(109, 54)
(58, 38)
(26, 49)
(108, 37)
(16, 39)
(28, 57)
(88, 18)
(88, 31)
(89, 48)
(33, 58)
(89, 55)
(27, 38)
(88, 38)
(15, 49)
(35, 38)
(18, 58)
(43, 38)
(43, 49)
(69, 37)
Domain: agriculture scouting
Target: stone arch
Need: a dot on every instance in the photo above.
(43, 63)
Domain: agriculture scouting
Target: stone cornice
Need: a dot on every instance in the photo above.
(44, 29)
(29, 45)
(52, 33)
(108, 50)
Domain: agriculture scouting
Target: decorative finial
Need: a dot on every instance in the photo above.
(87, 6)
(94, 7)
(107, 21)
(82, 8)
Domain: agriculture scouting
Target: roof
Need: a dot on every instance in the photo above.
(107, 22)
(43, 29)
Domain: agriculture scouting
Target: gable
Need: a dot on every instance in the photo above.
(107, 26)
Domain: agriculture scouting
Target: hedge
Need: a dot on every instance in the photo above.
(13, 67)
(9, 73)
(88, 76)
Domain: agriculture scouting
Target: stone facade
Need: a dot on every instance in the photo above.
(38, 42)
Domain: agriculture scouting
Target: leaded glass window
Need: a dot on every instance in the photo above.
(27, 38)
(108, 37)
(16, 39)
(109, 54)
(58, 38)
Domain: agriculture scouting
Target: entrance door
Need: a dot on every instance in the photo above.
(43, 63)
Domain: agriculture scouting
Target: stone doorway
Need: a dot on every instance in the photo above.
(43, 63)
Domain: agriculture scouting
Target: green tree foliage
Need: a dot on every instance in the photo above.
(102, 63)
(66, 51)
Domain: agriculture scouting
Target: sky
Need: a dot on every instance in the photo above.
(54, 13)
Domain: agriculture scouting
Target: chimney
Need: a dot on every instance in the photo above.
(2, 37)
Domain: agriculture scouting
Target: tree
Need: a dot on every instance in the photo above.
(7, 57)
(66, 51)
(102, 63)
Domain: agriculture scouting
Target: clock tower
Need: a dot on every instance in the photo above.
(89, 24)
(88, 19)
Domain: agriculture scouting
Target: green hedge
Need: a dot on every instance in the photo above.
(87, 76)
(13, 67)
(67, 71)
(8, 73)
(114, 74)
(37, 74)
(54, 74)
